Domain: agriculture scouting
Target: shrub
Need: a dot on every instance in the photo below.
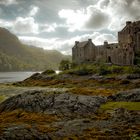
(135, 137)
(131, 70)
(136, 70)
(83, 72)
(64, 65)
(103, 70)
(80, 71)
(47, 72)
(116, 69)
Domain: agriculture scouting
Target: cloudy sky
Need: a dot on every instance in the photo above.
(57, 24)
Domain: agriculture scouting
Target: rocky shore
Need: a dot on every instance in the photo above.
(80, 108)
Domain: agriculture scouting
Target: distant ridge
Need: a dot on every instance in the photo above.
(15, 56)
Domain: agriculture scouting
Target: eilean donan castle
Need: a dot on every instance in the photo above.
(125, 52)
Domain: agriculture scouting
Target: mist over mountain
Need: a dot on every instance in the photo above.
(15, 56)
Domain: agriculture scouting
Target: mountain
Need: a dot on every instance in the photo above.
(15, 56)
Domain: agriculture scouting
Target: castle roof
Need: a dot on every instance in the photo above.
(82, 44)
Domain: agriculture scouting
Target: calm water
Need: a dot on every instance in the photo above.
(14, 76)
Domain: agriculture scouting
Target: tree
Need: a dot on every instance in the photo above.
(64, 65)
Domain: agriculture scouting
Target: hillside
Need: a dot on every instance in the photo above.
(15, 56)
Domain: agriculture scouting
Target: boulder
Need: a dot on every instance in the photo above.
(53, 103)
(130, 95)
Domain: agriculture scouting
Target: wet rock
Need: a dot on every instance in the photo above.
(121, 114)
(22, 132)
(131, 95)
(128, 77)
(133, 76)
(96, 77)
(121, 77)
(53, 103)
(38, 76)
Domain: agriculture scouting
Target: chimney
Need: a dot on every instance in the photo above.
(105, 42)
(76, 42)
(90, 40)
(128, 23)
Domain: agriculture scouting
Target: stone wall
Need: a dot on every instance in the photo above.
(83, 52)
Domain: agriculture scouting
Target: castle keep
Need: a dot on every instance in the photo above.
(125, 52)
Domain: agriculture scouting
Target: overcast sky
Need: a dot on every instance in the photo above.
(57, 24)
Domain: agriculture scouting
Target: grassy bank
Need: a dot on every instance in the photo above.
(102, 69)
(114, 105)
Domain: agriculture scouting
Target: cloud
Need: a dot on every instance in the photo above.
(25, 25)
(86, 19)
(120, 11)
(34, 11)
(65, 45)
(105, 37)
(7, 2)
(47, 27)
(5, 24)
(97, 18)
(1, 11)
(74, 19)
(21, 25)
(105, 14)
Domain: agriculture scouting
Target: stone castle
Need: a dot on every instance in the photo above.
(125, 52)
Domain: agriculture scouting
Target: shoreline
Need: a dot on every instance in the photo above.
(68, 106)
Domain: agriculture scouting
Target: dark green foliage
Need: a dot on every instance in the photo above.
(102, 69)
(116, 69)
(136, 69)
(64, 65)
(80, 71)
(137, 58)
(73, 65)
(47, 72)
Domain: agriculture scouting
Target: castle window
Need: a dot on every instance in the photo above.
(109, 59)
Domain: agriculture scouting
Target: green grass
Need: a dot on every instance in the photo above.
(2, 98)
(127, 105)
(102, 69)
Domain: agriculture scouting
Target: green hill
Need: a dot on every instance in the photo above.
(15, 56)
